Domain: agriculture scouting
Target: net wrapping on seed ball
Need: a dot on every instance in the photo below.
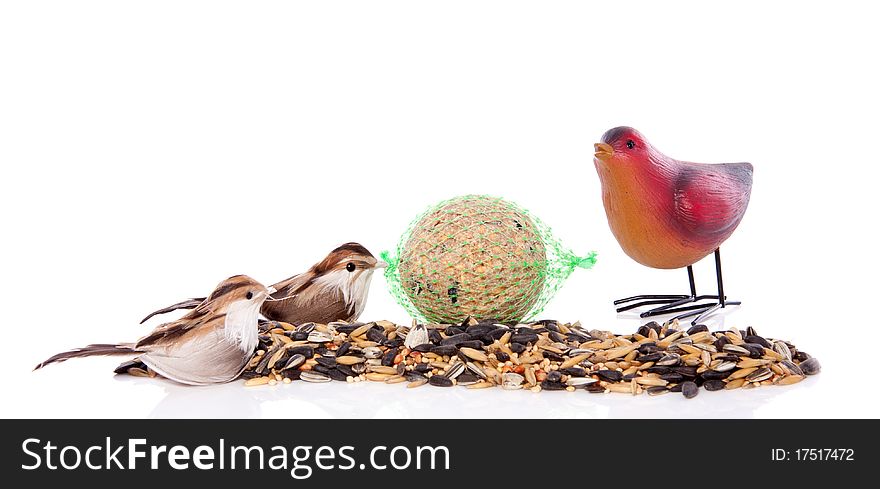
(478, 256)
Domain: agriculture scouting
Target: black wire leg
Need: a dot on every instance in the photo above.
(690, 305)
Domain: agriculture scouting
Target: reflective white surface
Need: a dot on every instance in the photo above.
(150, 151)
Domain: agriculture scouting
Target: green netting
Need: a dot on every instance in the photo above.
(478, 256)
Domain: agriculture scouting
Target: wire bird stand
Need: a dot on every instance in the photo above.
(673, 304)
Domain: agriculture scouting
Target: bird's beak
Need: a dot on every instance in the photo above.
(381, 264)
(603, 151)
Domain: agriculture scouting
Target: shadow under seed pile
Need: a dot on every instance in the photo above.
(542, 355)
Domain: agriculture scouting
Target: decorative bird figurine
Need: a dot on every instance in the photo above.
(209, 345)
(667, 214)
(334, 289)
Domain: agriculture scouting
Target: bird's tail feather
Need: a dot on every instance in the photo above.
(88, 351)
(187, 304)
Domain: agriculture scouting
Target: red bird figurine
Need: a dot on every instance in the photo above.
(667, 213)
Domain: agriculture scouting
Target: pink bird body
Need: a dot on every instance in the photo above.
(667, 213)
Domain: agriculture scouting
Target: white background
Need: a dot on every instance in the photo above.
(151, 149)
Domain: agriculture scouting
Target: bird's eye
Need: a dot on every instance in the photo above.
(250, 295)
(630, 144)
(350, 267)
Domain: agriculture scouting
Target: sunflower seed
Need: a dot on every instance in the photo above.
(811, 366)
(689, 389)
(293, 362)
(736, 349)
(440, 381)
(781, 348)
(418, 335)
(724, 366)
(320, 337)
(455, 370)
(759, 375)
(671, 359)
(311, 376)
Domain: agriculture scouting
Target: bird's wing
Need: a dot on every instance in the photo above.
(198, 319)
(710, 200)
(292, 286)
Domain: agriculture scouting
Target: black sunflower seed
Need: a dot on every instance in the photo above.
(376, 333)
(548, 385)
(689, 372)
(329, 362)
(346, 370)
(478, 330)
(322, 369)
(714, 385)
(440, 381)
(759, 340)
(413, 376)
(755, 350)
(304, 350)
(554, 376)
(501, 356)
(557, 337)
(517, 347)
(434, 336)
(553, 356)
(574, 371)
(610, 375)
(292, 374)
(524, 338)
(348, 328)
(456, 339)
(388, 357)
(337, 375)
(444, 350)
(689, 389)
(698, 328)
(496, 334)
(810, 366)
(651, 357)
(475, 344)
(672, 378)
(713, 375)
(594, 388)
(453, 330)
(343, 349)
(655, 326)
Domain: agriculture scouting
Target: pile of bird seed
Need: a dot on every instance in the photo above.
(542, 355)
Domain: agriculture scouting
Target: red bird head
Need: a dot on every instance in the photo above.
(622, 146)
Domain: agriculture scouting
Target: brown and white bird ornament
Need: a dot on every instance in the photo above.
(334, 289)
(211, 344)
